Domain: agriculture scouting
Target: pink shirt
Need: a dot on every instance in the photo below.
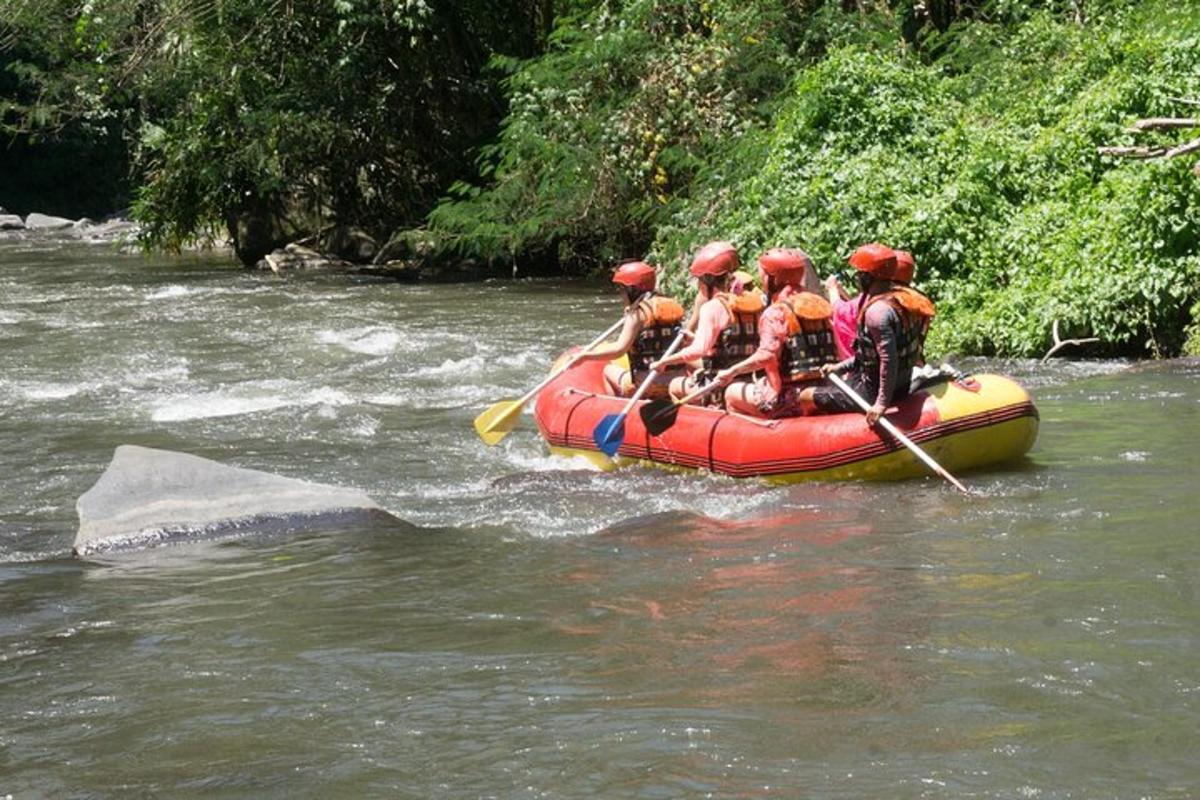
(845, 326)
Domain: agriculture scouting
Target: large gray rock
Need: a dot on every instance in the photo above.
(149, 496)
(44, 222)
(11, 222)
(299, 257)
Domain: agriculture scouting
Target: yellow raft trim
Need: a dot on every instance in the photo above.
(988, 444)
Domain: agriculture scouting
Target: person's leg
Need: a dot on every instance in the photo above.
(744, 398)
(681, 387)
(616, 379)
(805, 403)
(832, 400)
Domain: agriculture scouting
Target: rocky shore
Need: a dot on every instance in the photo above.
(116, 229)
(408, 256)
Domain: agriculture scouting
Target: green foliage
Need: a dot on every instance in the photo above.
(353, 111)
(1191, 347)
(606, 131)
(345, 111)
(991, 177)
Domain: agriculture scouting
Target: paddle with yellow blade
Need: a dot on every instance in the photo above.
(500, 418)
(894, 431)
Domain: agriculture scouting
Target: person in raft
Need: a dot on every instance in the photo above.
(892, 321)
(652, 322)
(726, 328)
(845, 308)
(795, 338)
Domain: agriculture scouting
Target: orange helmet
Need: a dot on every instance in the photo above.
(874, 258)
(905, 267)
(785, 265)
(715, 258)
(636, 274)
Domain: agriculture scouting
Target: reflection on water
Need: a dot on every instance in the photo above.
(541, 629)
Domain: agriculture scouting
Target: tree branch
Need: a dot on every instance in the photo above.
(1061, 343)
(1162, 123)
(1133, 152)
(1183, 149)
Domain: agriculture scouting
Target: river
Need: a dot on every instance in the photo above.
(534, 628)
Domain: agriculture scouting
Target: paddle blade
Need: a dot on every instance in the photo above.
(609, 434)
(495, 422)
(659, 415)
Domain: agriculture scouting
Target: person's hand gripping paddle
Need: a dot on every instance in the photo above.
(610, 431)
(894, 431)
(500, 418)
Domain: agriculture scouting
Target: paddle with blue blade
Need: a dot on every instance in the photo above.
(610, 431)
(894, 431)
(499, 418)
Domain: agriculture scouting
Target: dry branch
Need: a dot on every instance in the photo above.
(1159, 151)
(1161, 123)
(1061, 343)
(1133, 152)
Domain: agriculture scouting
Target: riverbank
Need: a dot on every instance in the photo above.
(113, 230)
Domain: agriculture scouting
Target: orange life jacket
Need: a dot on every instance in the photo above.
(740, 337)
(915, 311)
(810, 340)
(661, 318)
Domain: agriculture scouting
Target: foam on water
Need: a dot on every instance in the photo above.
(170, 292)
(208, 405)
(181, 408)
(372, 341)
(37, 391)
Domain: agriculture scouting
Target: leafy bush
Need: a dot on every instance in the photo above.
(991, 177)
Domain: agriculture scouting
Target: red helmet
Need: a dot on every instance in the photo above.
(715, 258)
(785, 265)
(636, 274)
(905, 267)
(877, 259)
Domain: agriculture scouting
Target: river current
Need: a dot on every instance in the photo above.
(537, 629)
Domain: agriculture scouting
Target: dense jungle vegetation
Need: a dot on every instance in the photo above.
(562, 135)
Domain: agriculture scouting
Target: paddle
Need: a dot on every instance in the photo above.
(659, 415)
(610, 431)
(894, 431)
(500, 418)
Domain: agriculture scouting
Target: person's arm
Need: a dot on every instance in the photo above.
(839, 367)
(713, 318)
(834, 290)
(882, 324)
(611, 350)
(771, 339)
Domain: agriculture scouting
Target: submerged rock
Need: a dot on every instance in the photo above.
(149, 496)
(11, 222)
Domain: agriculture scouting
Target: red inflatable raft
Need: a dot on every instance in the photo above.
(992, 422)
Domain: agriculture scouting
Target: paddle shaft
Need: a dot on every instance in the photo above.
(894, 431)
(683, 401)
(650, 378)
(570, 362)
